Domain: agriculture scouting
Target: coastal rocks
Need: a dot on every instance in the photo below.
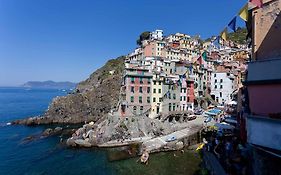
(113, 130)
(70, 142)
(82, 143)
(90, 101)
(49, 131)
(179, 145)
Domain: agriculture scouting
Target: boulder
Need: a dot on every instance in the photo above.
(179, 145)
(83, 143)
(70, 142)
(58, 129)
(47, 132)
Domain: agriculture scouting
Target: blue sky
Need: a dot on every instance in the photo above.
(66, 40)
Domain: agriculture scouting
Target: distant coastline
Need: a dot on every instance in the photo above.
(49, 85)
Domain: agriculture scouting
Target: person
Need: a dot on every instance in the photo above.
(228, 148)
(218, 150)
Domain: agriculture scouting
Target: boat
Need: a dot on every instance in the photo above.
(144, 157)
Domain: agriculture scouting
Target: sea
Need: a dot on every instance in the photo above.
(50, 156)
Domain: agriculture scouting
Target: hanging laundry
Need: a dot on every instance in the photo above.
(243, 13)
(232, 24)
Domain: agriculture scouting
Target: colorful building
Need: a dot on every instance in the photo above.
(137, 92)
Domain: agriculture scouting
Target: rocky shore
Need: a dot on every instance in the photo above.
(150, 134)
(121, 130)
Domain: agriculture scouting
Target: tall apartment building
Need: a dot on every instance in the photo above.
(222, 86)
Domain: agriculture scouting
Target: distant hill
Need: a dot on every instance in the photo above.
(239, 36)
(49, 85)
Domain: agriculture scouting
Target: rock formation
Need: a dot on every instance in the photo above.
(90, 101)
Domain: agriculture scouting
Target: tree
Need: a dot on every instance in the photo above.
(143, 36)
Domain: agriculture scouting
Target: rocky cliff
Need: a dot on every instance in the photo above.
(90, 101)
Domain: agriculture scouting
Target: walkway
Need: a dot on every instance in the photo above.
(159, 142)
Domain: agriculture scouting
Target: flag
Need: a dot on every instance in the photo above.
(204, 55)
(199, 59)
(190, 68)
(216, 42)
(244, 13)
(224, 34)
(232, 24)
(258, 3)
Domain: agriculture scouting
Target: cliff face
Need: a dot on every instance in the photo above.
(91, 100)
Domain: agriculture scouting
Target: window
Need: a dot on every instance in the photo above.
(148, 80)
(174, 106)
(160, 99)
(140, 90)
(188, 99)
(154, 91)
(174, 96)
(148, 89)
(159, 82)
(220, 94)
(216, 80)
(221, 81)
(154, 82)
(141, 81)
(140, 99)
(159, 91)
(148, 99)
(181, 98)
(215, 75)
(215, 86)
(132, 80)
(154, 99)
(184, 98)
(132, 89)
(135, 108)
(184, 90)
(221, 87)
(132, 99)
(141, 108)
(170, 106)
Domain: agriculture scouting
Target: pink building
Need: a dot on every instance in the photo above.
(136, 92)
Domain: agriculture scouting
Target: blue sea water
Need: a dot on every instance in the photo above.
(41, 156)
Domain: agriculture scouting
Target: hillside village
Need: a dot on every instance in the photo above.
(165, 81)
(180, 73)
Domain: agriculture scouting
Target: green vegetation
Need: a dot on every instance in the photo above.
(161, 163)
(114, 64)
(143, 36)
(239, 36)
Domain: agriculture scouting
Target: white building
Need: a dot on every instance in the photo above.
(222, 86)
(157, 34)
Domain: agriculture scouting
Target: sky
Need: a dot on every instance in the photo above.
(67, 40)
